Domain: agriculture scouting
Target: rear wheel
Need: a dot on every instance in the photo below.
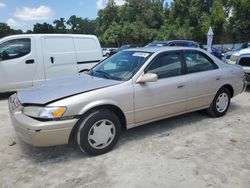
(220, 104)
(98, 132)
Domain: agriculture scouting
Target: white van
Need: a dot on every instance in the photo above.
(26, 60)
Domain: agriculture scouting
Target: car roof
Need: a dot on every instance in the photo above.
(161, 49)
(168, 41)
(47, 35)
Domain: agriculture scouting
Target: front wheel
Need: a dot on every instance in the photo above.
(98, 132)
(220, 104)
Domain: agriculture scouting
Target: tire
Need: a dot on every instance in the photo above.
(218, 109)
(98, 132)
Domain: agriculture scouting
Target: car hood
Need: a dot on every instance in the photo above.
(53, 90)
(244, 51)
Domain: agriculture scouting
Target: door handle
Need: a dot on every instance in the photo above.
(30, 61)
(218, 78)
(181, 86)
(52, 60)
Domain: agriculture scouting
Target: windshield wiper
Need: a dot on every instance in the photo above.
(105, 74)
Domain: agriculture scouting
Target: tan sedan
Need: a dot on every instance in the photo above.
(129, 89)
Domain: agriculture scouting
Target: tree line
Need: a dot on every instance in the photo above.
(141, 21)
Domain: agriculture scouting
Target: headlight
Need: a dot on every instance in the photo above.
(233, 58)
(44, 112)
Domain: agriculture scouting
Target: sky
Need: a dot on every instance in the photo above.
(23, 14)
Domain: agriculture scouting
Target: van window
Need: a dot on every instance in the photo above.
(15, 48)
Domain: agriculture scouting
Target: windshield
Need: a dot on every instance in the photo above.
(121, 66)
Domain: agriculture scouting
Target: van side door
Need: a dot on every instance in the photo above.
(59, 57)
(17, 63)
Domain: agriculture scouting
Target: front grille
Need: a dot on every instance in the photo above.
(244, 61)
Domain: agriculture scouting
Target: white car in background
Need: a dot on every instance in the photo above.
(105, 52)
(242, 58)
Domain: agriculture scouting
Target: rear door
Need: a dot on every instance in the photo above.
(203, 79)
(17, 63)
(59, 57)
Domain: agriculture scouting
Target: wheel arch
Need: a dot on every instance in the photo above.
(230, 89)
(114, 108)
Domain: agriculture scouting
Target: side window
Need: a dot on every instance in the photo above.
(198, 62)
(13, 49)
(166, 65)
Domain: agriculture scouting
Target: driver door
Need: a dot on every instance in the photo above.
(17, 64)
(166, 96)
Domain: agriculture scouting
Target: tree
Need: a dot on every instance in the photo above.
(218, 18)
(141, 21)
(5, 30)
(60, 26)
(43, 28)
(81, 26)
(113, 35)
(106, 17)
(239, 22)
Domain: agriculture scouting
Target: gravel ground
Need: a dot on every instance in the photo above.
(191, 150)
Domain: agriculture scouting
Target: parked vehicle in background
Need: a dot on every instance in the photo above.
(216, 52)
(184, 43)
(242, 58)
(124, 47)
(26, 60)
(128, 89)
(228, 54)
(105, 52)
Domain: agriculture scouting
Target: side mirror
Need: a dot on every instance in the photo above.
(4, 55)
(148, 77)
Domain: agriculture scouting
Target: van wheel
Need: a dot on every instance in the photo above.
(98, 132)
(220, 104)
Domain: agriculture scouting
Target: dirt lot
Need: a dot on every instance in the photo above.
(191, 150)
